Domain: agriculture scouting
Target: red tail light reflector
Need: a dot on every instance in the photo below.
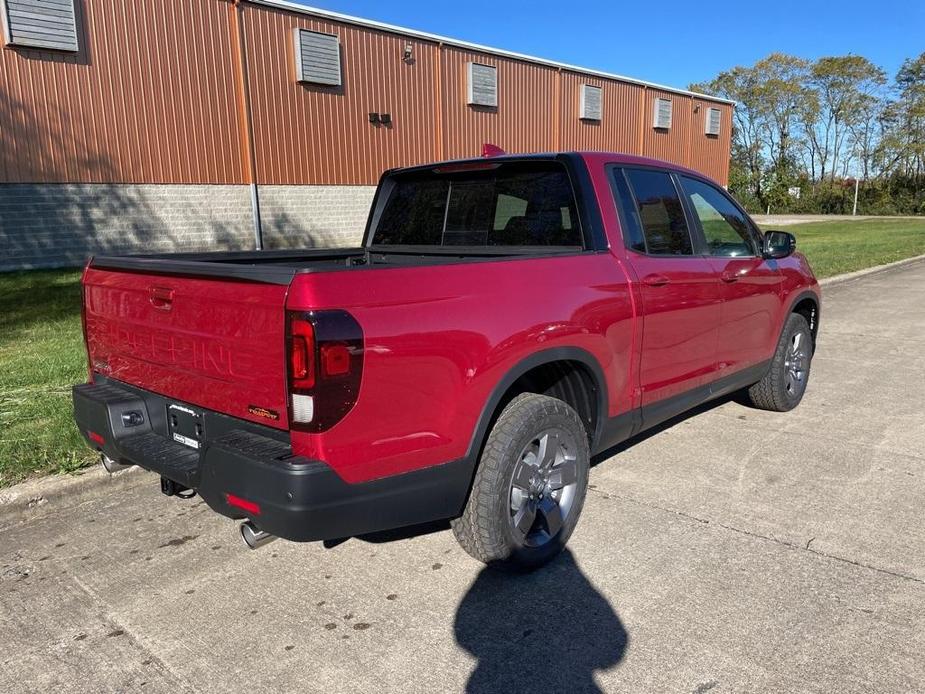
(335, 359)
(96, 438)
(248, 507)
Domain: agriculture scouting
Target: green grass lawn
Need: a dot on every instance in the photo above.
(42, 354)
(834, 248)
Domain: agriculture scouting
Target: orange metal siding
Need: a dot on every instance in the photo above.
(672, 144)
(149, 98)
(313, 134)
(523, 120)
(711, 154)
(618, 129)
(156, 95)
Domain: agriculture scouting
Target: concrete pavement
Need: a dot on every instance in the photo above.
(735, 550)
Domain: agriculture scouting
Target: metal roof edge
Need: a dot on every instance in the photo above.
(457, 43)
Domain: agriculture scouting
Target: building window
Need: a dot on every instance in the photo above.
(483, 84)
(661, 113)
(712, 121)
(590, 105)
(50, 24)
(317, 58)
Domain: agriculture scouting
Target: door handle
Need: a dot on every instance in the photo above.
(655, 280)
(729, 277)
(160, 297)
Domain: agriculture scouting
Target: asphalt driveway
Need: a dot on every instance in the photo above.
(735, 550)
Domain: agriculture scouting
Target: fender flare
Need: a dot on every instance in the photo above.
(816, 299)
(546, 356)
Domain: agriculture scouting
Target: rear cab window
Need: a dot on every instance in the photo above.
(520, 204)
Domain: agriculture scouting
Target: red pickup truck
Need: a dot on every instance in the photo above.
(505, 319)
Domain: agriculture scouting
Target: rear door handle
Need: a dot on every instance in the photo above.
(727, 276)
(655, 280)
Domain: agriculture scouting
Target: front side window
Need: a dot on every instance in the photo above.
(508, 204)
(724, 226)
(660, 213)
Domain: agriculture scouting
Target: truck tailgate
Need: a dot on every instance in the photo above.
(216, 343)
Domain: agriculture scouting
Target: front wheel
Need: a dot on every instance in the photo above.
(530, 485)
(783, 386)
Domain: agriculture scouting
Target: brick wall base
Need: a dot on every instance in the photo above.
(60, 225)
(326, 216)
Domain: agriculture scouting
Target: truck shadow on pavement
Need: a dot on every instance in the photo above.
(545, 631)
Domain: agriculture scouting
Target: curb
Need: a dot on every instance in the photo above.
(866, 272)
(32, 495)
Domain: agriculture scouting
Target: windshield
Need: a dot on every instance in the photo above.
(507, 204)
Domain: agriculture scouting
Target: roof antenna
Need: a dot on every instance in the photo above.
(490, 150)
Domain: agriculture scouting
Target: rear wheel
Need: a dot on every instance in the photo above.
(783, 386)
(530, 485)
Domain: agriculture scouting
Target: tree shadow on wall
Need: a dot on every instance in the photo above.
(545, 631)
(60, 224)
(281, 231)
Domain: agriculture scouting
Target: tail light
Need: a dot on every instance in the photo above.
(301, 354)
(325, 351)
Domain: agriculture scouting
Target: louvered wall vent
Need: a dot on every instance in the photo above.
(712, 121)
(662, 114)
(590, 107)
(317, 57)
(483, 85)
(40, 23)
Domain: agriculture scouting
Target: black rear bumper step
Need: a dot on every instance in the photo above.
(298, 498)
(172, 460)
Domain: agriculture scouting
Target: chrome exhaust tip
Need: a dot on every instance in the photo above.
(253, 536)
(110, 465)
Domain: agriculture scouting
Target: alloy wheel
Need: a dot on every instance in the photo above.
(543, 486)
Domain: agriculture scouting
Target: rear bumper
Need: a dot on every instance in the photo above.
(298, 499)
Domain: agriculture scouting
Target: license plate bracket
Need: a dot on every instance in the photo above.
(185, 425)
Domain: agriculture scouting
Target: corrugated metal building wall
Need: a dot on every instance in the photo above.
(204, 93)
(148, 98)
(319, 135)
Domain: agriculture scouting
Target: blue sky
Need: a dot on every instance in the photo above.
(673, 43)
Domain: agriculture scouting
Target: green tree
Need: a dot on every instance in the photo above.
(910, 116)
(781, 92)
(811, 124)
(842, 85)
(741, 85)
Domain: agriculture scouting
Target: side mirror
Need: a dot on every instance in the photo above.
(779, 244)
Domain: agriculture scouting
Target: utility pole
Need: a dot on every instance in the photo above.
(854, 212)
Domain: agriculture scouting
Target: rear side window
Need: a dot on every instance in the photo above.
(629, 215)
(660, 213)
(725, 228)
(509, 204)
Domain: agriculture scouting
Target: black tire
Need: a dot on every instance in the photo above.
(486, 529)
(780, 390)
